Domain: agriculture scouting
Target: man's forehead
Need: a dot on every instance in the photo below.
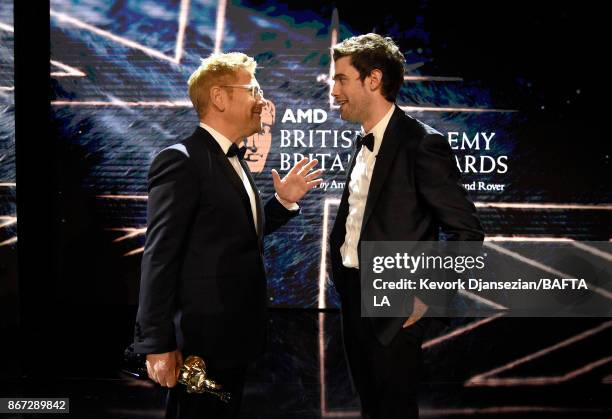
(252, 81)
(244, 77)
(343, 66)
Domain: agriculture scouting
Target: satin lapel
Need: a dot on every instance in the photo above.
(258, 204)
(343, 207)
(384, 160)
(226, 167)
(236, 182)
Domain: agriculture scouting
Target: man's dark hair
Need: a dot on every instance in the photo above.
(372, 51)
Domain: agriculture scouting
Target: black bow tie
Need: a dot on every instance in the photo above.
(234, 150)
(367, 140)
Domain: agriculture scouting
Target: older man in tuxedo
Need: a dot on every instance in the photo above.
(203, 283)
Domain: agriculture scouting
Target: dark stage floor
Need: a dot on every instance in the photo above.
(495, 367)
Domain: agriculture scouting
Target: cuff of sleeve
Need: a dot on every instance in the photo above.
(291, 206)
(155, 340)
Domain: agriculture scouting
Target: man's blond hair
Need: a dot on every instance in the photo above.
(215, 70)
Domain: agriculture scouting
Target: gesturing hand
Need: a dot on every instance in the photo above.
(298, 180)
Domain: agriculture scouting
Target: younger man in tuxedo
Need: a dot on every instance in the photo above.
(402, 185)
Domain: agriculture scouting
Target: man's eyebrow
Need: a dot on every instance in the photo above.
(339, 76)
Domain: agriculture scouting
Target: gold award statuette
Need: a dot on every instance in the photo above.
(193, 375)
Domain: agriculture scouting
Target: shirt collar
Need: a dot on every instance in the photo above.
(379, 129)
(223, 141)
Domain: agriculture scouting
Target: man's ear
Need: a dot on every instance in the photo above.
(375, 79)
(218, 98)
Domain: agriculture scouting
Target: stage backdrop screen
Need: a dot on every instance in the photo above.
(8, 202)
(508, 103)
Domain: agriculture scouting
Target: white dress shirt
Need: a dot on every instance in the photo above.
(359, 185)
(225, 145)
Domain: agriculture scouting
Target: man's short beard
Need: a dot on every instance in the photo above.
(353, 118)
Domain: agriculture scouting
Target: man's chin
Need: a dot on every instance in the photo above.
(345, 116)
(256, 130)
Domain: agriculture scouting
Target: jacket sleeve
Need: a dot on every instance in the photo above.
(439, 183)
(276, 215)
(173, 196)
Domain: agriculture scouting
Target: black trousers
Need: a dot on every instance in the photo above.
(386, 377)
(182, 405)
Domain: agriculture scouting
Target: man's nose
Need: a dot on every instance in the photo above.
(334, 91)
(264, 103)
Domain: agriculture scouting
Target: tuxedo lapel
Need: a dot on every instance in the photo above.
(229, 172)
(343, 207)
(258, 204)
(235, 181)
(384, 160)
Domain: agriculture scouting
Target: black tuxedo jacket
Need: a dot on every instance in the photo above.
(203, 282)
(414, 192)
